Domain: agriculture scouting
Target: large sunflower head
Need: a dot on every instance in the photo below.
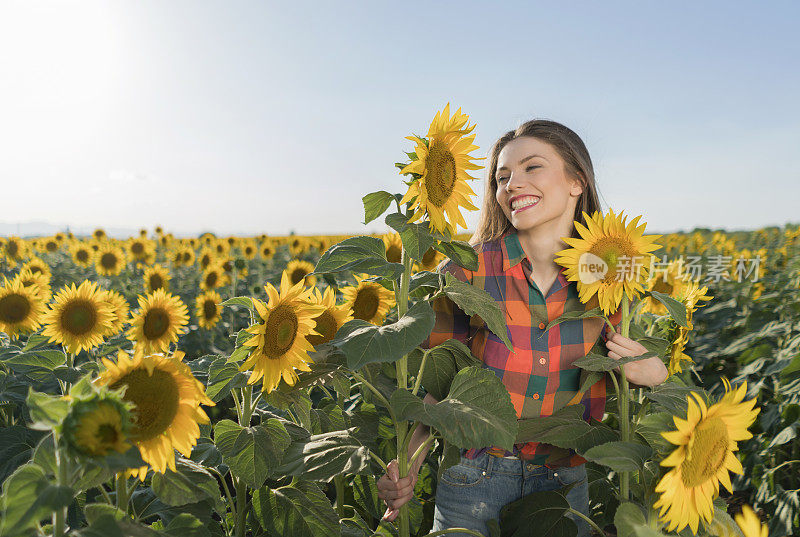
(368, 301)
(166, 399)
(110, 259)
(441, 169)
(158, 322)
(298, 271)
(329, 321)
(608, 259)
(156, 277)
(21, 308)
(208, 310)
(706, 441)
(98, 425)
(139, 248)
(15, 250)
(279, 340)
(79, 317)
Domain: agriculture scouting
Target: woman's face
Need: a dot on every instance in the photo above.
(532, 186)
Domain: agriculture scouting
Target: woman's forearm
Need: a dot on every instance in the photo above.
(420, 435)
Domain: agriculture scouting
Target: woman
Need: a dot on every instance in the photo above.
(540, 179)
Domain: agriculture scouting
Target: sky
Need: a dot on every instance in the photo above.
(276, 117)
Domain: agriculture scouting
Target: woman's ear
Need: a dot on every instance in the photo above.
(576, 188)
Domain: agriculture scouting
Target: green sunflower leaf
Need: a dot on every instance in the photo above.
(475, 301)
(375, 204)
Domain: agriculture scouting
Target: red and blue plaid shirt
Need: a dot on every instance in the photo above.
(538, 375)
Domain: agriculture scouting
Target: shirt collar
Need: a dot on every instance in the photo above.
(513, 254)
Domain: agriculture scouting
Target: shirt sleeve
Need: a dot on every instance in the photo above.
(451, 321)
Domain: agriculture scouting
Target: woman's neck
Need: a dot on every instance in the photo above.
(541, 246)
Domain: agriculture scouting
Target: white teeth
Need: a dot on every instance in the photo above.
(524, 202)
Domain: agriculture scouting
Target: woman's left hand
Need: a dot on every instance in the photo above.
(647, 372)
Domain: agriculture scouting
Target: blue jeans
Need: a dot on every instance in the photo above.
(472, 492)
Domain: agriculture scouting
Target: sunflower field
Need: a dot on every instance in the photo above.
(258, 386)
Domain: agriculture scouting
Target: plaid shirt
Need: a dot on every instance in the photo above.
(539, 375)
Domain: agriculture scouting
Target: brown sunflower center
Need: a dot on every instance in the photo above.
(108, 260)
(12, 248)
(156, 323)
(156, 282)
(440, 173)
(610, 250)
(205, 260)
(280, 331)
(248, 250)
(156, 398)
(137, 248)
(107, 434)
(394, 253)
(34, 269)
(209, 309)
(706, 452)
(51, 246)
(297, 275)
(82, 256)
(14, 308)
(187, 256)
(326, 325)
(366, 304)
(79, 317)
(211, 278)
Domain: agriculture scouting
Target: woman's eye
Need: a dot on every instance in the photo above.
(501, 179)
(529, 168)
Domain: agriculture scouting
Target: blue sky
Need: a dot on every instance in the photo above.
(270, 117)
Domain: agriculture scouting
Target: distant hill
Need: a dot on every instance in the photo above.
(41, 229)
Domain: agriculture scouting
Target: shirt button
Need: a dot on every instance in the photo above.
(542, 361)
(536, 396)
(555, 474)
(541, 326)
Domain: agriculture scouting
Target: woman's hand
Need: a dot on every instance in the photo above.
(395, 491)
(647, 372)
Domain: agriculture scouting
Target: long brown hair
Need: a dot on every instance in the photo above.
(493, 223)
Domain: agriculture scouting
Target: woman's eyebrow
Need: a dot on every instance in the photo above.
(523, 161)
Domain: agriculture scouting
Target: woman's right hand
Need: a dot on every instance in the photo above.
(394, 491)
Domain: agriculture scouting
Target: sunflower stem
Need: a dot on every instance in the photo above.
(624, 401)
(418, 382)
(403, 434)
(338, 481)
(241, 508)
(60, 515)
(122, 492)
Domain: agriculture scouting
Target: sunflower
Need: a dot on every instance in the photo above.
(139, 249)
(158, 322)
(99, 234)
(166, 400)
(208, 310)
(156, 277)
(690, 296)
(36, 265)
(79, 317)
(267, 250)
(299, 271)
(206, 258)
(221, 248)
(21, 308)
(110, 259)
(670, 282)
(82, 254)
(368, 301)
(249, 249)
(705, 442)
(442, 161)
(430, 259)
(214, 276)
(280, 341)
(297, 245)
(121, 310)
(594, 259)
(329, 321)
(394, 247)
(15, 250)
(98, 425)
(39, 281)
